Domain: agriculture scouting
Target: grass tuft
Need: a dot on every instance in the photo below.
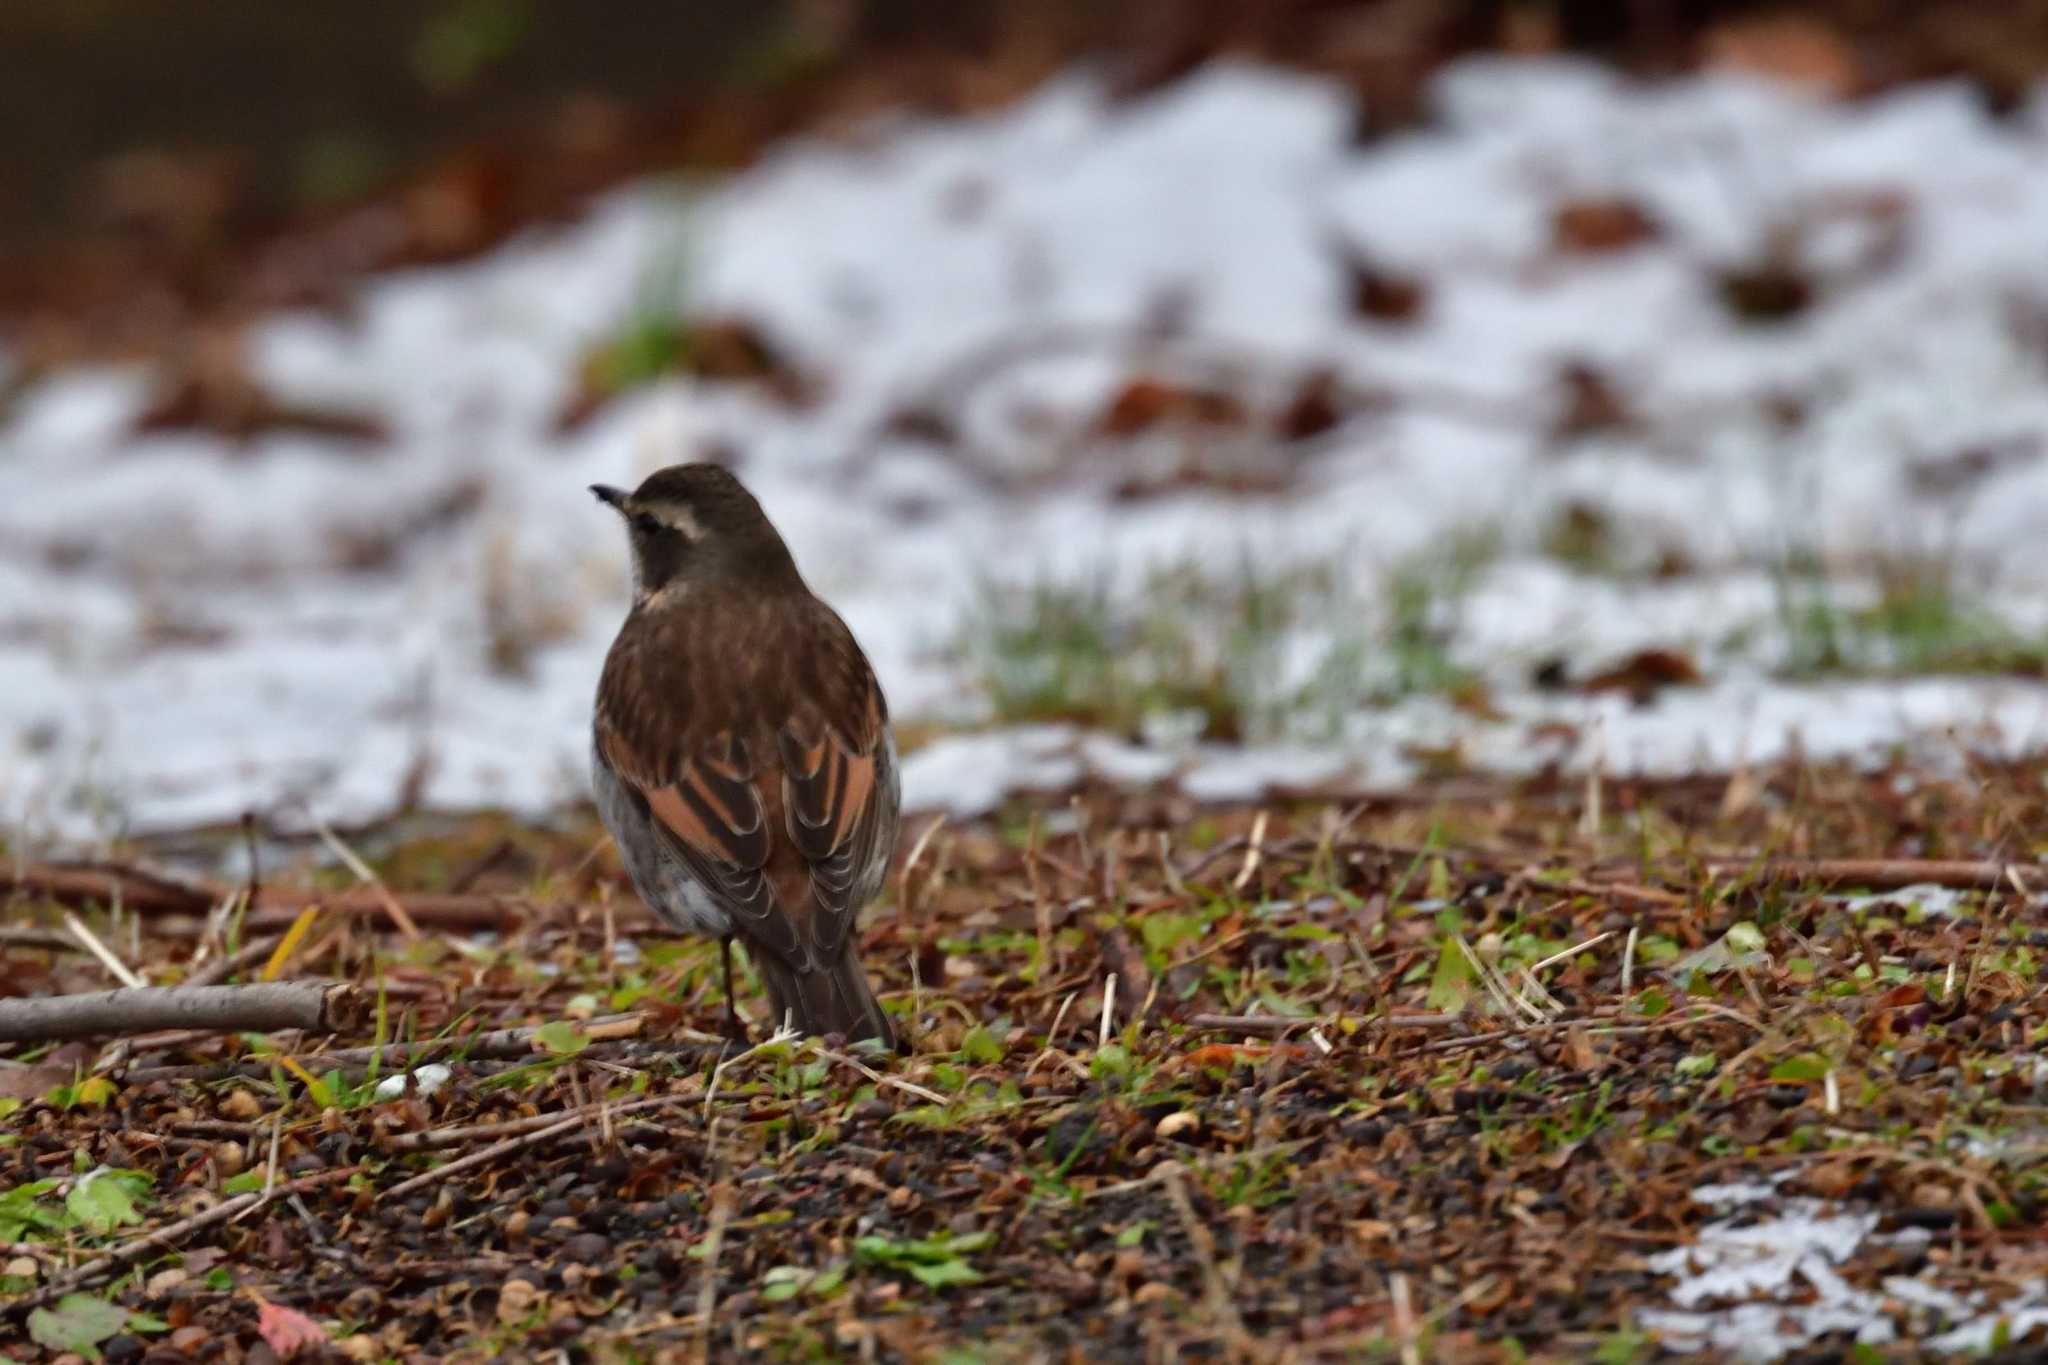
(1250, 654)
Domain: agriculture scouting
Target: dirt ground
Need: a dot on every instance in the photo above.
(1425, 1077)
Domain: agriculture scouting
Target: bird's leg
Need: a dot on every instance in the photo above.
(734, 1029)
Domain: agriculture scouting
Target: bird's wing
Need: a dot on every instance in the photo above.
(709, 815)
(785, 831)
(839, 809)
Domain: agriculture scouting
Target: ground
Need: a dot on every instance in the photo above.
(1489, 1072)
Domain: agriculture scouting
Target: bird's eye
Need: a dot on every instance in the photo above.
(644, 524)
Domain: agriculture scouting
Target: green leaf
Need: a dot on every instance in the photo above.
(827, 1280)
(79, 1322)
(244, 1183)
(980, 1047)
(1134, 1235)
(783, 1282)
(1109, 1061)
(561, 1037)
(105, 1199)
(939, 1274)
(1653, 1002)
(1741, 946)
(1807, 1066)
(1698, 1064)
(1451, 984)
(93, 1090)
(933, 1261)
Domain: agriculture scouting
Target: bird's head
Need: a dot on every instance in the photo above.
(694, 523)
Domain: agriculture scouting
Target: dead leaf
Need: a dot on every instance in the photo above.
(287, 1330)
(1646, 673)
(1787, 47)
(1601, 225)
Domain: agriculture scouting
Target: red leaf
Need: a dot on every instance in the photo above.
(287, 1330)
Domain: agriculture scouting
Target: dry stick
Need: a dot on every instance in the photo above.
(103, 883)
(535, 1123)
(166, 1238)
(1876, 874)
(34, 936)
(707, 1287)
(1253, 853)
(488, 1154)
(894, 1083)
(221, 968)
(145, 893)
(1221, 1304)
(1272, 1025)
(118, 969)
(316, 1006)
(369, 878)
(498, 1045)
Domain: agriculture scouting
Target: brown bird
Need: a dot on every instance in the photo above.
(742, 753)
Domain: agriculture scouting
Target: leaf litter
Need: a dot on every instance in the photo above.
(1461, 1071)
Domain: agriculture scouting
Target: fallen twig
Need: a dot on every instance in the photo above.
(84, 884)
(491, 1153)
(707, 1287)
(435, 1138)
(497, 1045)
(1275, 1026)
(316, 1006)
(166, 1238)
(1222, 1303)
(116, 968)
(35, 936)
(1875, 874)
(221, 968)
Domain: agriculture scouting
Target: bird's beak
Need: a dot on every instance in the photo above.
(615, 498)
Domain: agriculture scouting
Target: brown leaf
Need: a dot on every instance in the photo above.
(1592, 405)
(1646, 673)
(287, 1330)
(1787, 47)
(1313, 409)
(1600, 225)
(1378, 294)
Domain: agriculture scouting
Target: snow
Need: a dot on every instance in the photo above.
(427, 1079)
(190, 627)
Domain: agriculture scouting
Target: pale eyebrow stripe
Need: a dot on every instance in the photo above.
(681, 519)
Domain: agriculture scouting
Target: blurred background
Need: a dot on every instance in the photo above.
(1216, 399)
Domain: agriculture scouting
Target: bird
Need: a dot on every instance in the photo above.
(742, 757)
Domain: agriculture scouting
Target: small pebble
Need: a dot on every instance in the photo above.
(587, 1247)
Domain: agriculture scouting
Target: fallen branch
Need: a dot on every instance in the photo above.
(79, 885)
(434, 1138)
(491, 1153)
(498, 1045)
(166, 1238)
(1275, 1026)
(1222, 1302)
(135, 888)
(316, 1006)
(223, 967)
(34, 936)
(1877, 874)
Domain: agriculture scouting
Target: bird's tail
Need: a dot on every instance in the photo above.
(825, 999)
